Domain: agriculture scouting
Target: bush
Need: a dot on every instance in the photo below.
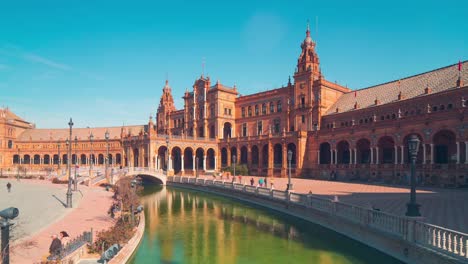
(41, 177)
(120, 233)
(57, 181)
(242, 170)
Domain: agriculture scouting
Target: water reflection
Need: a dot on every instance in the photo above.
(190, 227)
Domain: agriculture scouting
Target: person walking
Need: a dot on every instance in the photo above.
(55, 248)
(266, 183)
(252, 181)
(64, 238)
(272, 182)
(8, 186)
(260, 182)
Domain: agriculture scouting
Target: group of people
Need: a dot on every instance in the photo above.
(58, 244)
(263, 182)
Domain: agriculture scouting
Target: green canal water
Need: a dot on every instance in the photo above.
(193, 227)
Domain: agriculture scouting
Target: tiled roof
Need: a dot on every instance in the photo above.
(81, 133)
(438, 80)
(11, 116)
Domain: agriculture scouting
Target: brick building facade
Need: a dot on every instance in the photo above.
(330, 130)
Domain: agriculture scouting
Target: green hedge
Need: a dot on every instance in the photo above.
(242, 170)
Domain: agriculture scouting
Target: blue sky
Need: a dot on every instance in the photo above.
(104, 63)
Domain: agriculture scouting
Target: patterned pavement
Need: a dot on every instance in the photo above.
(443, 207)
(42, 214)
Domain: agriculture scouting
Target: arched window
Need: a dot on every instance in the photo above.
(264, 109)
(243, 111)
(272, 107)
(256, 110)
(279, 108)
(250, 111)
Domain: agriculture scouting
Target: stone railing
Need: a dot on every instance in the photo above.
(448, 242)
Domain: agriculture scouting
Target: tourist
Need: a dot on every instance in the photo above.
(240, 179)
(265, 181)
(55, 248)
(272, 182)
(8, 186)
(252, 181)
(260, 182)
(64, 238)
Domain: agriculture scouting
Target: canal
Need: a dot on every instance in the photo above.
(193, 227)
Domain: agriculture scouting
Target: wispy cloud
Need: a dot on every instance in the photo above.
(48, 62)
(17, 52)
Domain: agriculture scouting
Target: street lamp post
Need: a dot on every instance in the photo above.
(167, 154)
(69, 191)
(58, 161)
(92, 155)
(19, 165)
(234, 160)
(290, 186)
(412, 208)
(75, 182)
(106, 135)
(7, 215)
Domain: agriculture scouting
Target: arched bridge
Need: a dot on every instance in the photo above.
(148, 174)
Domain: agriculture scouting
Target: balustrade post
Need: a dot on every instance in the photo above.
(402, 154)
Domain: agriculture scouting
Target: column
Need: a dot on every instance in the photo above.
(318, 157)
(182, 163)
(355, 156)
(376, 155)
(215, 162)
(204, 162)
(336, 156)
(169, 165)
(194, 165)
(350, 156)
(228, 150)
(396, 155)
(156, 158)
(458, 152)
(402, 154)
(432, 153)
(371, 155)
(466, 152)
(331, 156)
(424, 153)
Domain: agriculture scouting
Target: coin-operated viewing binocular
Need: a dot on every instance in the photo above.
(9, 213)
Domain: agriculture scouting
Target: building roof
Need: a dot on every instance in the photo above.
(9, 115)
(438, 80)
(81, 133)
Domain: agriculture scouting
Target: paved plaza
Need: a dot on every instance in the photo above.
(42, 214)
(443, 207)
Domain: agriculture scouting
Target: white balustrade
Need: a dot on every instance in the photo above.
(441, 239)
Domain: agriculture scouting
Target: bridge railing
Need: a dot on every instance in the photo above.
(443, 240)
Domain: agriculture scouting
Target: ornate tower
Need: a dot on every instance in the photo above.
(304, 94)
(166, 106)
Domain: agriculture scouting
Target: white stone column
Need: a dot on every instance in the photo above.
(355, 156)
(350, 156)
(156, 159)
(432, 153)
(402, 148)
(458, 152)
(194, 166)
(376, 155)
(396, 155)
(204, 162)
(169, 165)
(466, 152)
(331, 156)
(182, 163)
(318, 156)
(215, 162)
(424, 153)
(371, 155)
